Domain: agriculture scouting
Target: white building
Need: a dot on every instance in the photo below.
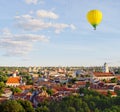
(105, 68)
(14, 80)
(103, 75)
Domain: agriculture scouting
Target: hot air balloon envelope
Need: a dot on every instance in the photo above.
(94, 17)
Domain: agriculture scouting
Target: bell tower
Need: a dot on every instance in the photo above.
(106, 68)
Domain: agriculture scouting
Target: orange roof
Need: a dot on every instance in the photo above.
(54, 90)
(103, 74)
(118, 77)
(81, 83)
(105, 92)
(23, 87)
(13, 79)
(2, 99)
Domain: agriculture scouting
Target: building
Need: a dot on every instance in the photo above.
(105, 68)
(34, 69)
(14, 80)
(103, 75)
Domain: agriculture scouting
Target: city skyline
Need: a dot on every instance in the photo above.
(57, 33)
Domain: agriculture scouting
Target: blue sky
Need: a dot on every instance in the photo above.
(57, 33)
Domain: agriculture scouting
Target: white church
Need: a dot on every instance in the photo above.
(14, 80)
(105, 74)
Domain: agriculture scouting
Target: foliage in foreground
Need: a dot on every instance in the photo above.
(85, 101)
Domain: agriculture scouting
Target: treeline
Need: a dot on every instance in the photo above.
(85, 101)
(8, 70)
(16, 106)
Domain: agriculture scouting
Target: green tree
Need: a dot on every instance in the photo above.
(44, 103)
(11, 106)
(118, 92)
(42, 109)
(109, 94)
(104, 80)
(115, 108)
(73, 80)
(71, 109)
(92, 105)
(27, 105)
(87, 84)
(24, 74)
(2, 85)
(49, 91)
(44, 88)
(96, 110)
(16, 90)
(29, 82)
(86, 109)
(113, 80)
(3, 77)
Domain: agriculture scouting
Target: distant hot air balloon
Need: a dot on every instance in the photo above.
(94, 17)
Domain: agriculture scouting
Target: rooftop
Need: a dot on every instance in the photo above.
(13, 79)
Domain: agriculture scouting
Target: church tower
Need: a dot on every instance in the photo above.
(14, 74)
(106, 68)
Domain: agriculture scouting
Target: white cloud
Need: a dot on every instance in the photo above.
(6, 31)
(19, 44)
(41, 2)
(35, 1)
(72, 26)
(23, 17)
(26, 59)
(30, 23)
(46, 14)
(31, 12)
(31, 1)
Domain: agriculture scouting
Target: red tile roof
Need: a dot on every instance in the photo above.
(81, 83)
(2, 99)
(103, 74)
(13, 79)
(24, 87)
(118, 77)
(105, 92)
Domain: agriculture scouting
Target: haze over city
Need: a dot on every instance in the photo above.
(57, 33)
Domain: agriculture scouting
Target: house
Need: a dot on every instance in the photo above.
(106, 92)
(14, 80)
(103, 75)
(3, 99)
(7, 93)
(24, 96)
(80, 84)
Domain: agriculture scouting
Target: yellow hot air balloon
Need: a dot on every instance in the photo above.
(94, 17)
